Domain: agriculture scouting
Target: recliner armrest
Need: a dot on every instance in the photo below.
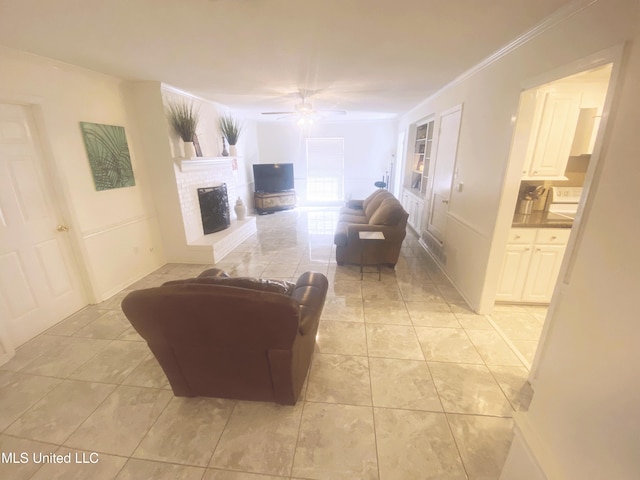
(310, 293)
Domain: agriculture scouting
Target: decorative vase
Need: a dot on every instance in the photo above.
(189, 150)
(241, 210)
(233, 151)
(225, 153)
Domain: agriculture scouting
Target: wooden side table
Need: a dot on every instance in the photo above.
(366, 239)
(272, 202)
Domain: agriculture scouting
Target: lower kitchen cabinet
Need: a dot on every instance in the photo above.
(543, 273)
(531, 264)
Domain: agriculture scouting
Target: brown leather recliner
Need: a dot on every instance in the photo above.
(241, 338)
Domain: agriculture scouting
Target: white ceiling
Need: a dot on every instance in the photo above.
(369, 57)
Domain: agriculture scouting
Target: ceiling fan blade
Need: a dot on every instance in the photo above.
(277, 113)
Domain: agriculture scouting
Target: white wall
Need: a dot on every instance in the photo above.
(480, 215)
(368, 150)
(583, 421)
(115, 230)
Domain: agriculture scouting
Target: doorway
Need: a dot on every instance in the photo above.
(555, 137)
(39, 279)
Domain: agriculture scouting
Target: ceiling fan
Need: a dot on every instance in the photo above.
(305, 112)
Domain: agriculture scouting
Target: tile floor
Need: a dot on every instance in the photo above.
(406, 383)
(520, 326)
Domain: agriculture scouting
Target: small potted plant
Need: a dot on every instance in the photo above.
(230, 128)
(183, 117)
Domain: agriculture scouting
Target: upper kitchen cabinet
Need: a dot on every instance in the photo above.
(553, 126)
(558, 120)
(586, 130)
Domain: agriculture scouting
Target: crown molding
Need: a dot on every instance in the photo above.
(562, 14)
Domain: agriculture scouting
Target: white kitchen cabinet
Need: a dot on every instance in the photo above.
(586, 130)
(543, 273)
(553, 128)
(516, 264)
(514, 273)
(532, 261)
(414, 207)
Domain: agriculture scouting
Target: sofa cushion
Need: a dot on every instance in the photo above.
(367, 200)
(390, 212)
(262, 284)
(373, 205)
(348, 218)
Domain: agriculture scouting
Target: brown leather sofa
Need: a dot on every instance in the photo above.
(379, 212)
(230, 337)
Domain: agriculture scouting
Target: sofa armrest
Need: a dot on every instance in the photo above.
(213, 272)
(310, 293)
(390, 231)
(355, 204)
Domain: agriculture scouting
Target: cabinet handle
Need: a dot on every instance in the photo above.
(527, 249)
(554, 237)
(537, 249)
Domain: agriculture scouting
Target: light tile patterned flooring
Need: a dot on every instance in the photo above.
(406, 383)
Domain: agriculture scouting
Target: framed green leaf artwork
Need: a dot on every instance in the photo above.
(108, 154)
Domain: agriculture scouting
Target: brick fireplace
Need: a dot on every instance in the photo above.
(199, 173)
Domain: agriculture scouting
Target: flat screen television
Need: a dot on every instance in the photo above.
(273, 177)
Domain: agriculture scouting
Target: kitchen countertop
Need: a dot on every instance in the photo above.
(541, 219)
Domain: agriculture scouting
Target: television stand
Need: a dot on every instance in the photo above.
(272, 202)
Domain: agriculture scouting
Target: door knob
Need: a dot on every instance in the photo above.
(445, 201)
(62, 228)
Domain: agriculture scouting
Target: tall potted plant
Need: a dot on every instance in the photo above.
(183, 117)
(230, 128)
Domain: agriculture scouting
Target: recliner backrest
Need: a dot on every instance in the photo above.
(213, 315)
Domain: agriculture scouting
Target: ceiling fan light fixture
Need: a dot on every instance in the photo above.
(305, 121)
(304, 107)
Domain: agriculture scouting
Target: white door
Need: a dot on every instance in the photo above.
(447, 149)
(39, 282)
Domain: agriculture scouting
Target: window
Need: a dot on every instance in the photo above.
(325, 169)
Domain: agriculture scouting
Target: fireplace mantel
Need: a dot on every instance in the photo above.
(202, 163)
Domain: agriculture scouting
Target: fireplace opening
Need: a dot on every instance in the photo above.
(214, 208)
